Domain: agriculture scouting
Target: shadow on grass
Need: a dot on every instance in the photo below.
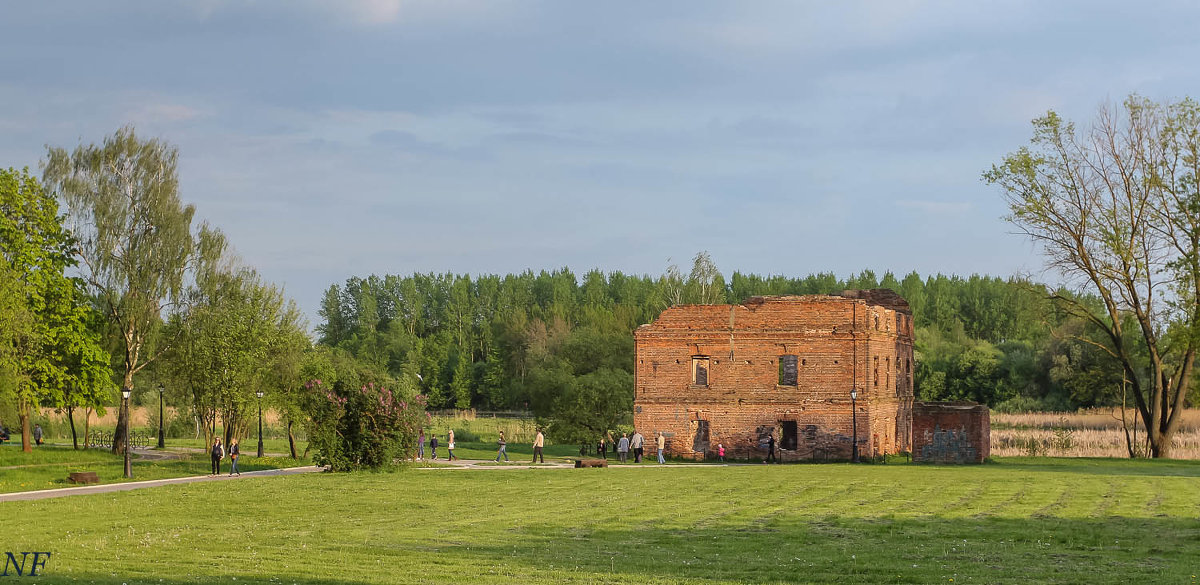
(990, 550)
(927, 550)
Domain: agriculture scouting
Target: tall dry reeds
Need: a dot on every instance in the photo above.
(1091, 433)
(1096, 418)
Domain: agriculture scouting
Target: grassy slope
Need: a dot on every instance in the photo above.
(1047, 521)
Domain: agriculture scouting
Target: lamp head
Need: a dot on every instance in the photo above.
(259, 393)
(125, 392)
(854, 394)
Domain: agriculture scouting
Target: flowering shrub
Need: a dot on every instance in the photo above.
(361, 428)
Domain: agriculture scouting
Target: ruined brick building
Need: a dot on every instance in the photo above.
(734, 374)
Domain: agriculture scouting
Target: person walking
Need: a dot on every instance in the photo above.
(602, 449)
(662, 444)
(421, 445)
(638, 443)
(433, 447)
(37, 435)
(721, 452)
(218, 453)
(623, 448)
(234, 451)
(771, 449)
(503, 448)
(450, 445)
(538, 442)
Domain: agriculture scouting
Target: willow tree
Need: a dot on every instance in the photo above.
(137, 244)
(1116, 210)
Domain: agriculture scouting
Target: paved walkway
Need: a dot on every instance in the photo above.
(133, 485)
(441, 464)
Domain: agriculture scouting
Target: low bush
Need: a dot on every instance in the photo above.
(367, 427)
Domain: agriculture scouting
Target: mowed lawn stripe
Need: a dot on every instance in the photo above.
(750, 524)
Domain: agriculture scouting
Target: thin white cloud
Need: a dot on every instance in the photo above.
(159, 113)
(372, 12)
(935, 207)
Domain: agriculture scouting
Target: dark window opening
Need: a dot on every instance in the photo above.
(700, 442)
(700, 367)
(790, 436)
(787, 370)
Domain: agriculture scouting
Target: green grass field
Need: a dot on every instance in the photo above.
(47, 467)
(1016, 521)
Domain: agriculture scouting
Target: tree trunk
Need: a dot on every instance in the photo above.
(231, 427)
(26, 435)
(118, 442)
(1161, 447)
(291, 440)
(71, 419)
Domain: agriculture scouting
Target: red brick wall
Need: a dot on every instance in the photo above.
(951, 432)
(839, 342)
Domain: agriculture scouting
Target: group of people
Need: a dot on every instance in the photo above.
(433, 445)
(622, 447)
(538, 443)
(218, 453)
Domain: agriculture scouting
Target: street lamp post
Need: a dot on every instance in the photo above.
(125, 392)
(854, 423)
(260, 449)
(161, 443)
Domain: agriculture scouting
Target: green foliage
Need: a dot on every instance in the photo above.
(362, 427)
(525, 341)
(49, 356)
(1115, 209)
(237, 336)
(134, 238)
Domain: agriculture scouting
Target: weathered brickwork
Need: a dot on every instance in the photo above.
(722, 374)
(951, 432)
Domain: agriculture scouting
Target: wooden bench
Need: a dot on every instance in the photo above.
(83, 477)
(591, 463)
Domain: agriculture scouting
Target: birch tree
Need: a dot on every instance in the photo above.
(136, 241)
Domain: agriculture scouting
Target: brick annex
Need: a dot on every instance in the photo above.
(784, 366)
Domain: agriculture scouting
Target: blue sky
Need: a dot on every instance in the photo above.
(332, 139)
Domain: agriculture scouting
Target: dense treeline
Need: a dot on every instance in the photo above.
(526, 341)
